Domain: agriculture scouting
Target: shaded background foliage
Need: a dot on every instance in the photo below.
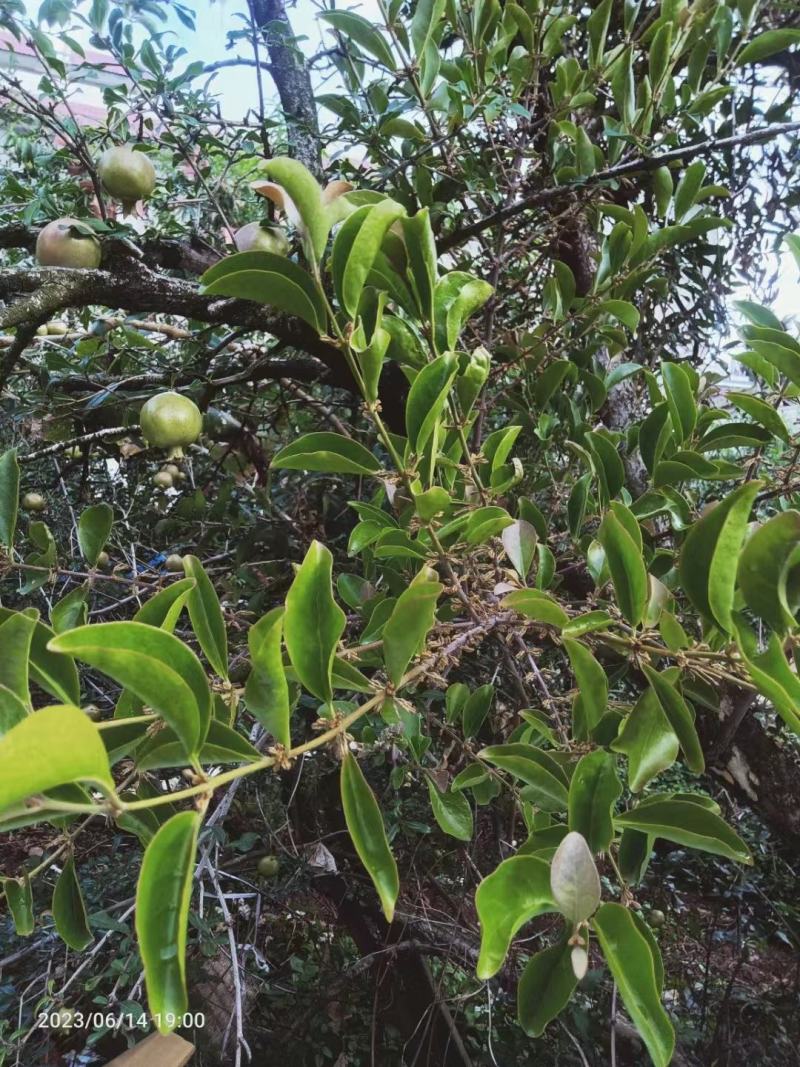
(482, 143)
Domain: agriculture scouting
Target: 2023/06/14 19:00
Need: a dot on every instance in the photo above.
(78, 1020)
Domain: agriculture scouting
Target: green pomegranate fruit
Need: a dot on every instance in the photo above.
(103, 560)
(174, 563)
(57, 328)
(171, 421)
(173, 469)
(34, 502)
(656, 918)
(127, 175)
(268, 866)
(163, 480)
(58, 245)
(261, 237)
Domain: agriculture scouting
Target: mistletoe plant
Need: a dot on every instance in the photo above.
(448, 548)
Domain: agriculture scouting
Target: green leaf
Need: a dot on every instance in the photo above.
(164, 607)
(206, 616)
(515, 892)
(12, 710)
(457, 296)
(763, 413)
(50, 747)
(648, 740)
(455, 698)
(592, 699)
(329, 452)
(766, 45)
(365, 826)
(422, 259)
(94, 527)
(608, 464)
(626, 566)
(519, 541)
(362, 32)
(630, 959)
(545, 987)
(71, 610)
(16, 634)
(476, 709)
(157, 668)
(53, 672)
(9, 497)
(546, 781)
(162, 915)
(313, 622)
(593, 791)
(306, 196)
(537, 605)
(427, 15)
(662, 190)
(574, 881)
(19, 898)
(69, 911)
(784, 357)
(764, 566)
(269, 279)
(688, 188)
(451, 811)
(686, 824)
(427, 398)
(266, 692)
(407, 627)
(222, 744)
(680, 400)
(710, 554)
(680, 717)
(366, 244)
(772, 676)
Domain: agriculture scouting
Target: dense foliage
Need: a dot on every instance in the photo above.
(389, 560)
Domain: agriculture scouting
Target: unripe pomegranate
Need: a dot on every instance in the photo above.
(103, 560)
(170, 421)
(174, 563)
(127, 175)
(268, 866)
(163, 480)
(173, 469)
(34, 502)
(60, 244)
(261, 237)
(656, 918)
(57, 328)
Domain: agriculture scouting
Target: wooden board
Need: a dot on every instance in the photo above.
(157, 1050)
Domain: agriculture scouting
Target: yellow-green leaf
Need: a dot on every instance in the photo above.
(365, 825)
(630, 959)
(313, 622)
(515, 892)
(162, 914)
(50, 747)
(206, 616)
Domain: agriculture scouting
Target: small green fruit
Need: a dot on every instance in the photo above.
(103, 560)
(34, 502)
(56, 328)
(261, 237)
(170, 421)
(163, 480)
(173, 469)
(268, 866)
(174, 563)
(127, 175)
(58, 245)
(656, 918)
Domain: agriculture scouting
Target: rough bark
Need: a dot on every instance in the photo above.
(292, 80)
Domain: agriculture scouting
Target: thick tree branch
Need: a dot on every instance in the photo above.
(288, 71)
(634, 166)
